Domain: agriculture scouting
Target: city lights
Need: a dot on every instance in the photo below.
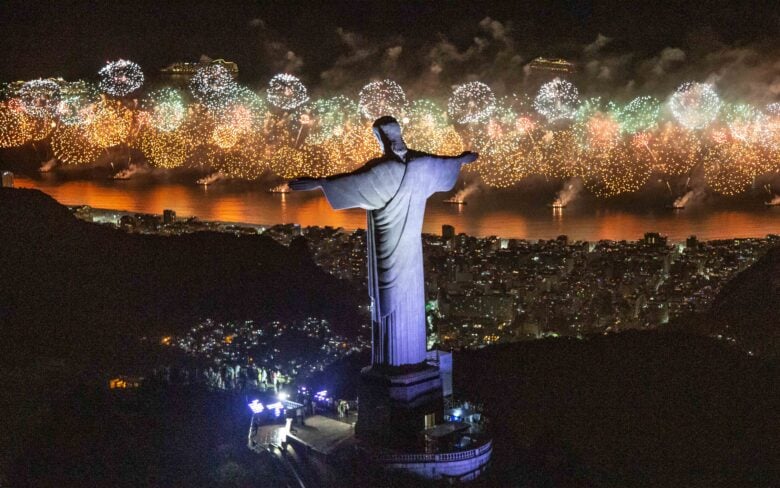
(256, 406)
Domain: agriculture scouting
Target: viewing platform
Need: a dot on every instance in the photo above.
(322, 435)
(458, 465)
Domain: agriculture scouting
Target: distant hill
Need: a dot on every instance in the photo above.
(748, 307)
(629, 409)
(76, 288)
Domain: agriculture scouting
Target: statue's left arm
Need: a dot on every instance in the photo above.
(444, 170)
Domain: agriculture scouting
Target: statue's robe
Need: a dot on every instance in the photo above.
(394, 191)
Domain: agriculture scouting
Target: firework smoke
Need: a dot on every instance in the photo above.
(466, 192)
(570, 191)
(126, 174)
(682, 201)
(773, 198)
(281, 188)
(48, 165)
(691, 196)
(209, 179)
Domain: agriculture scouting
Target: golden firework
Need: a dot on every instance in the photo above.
(163, 149)
(71, 146)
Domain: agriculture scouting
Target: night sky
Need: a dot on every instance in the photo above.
(620, 46)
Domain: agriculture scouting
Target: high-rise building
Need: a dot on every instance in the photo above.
(691, 242)
(447, 231)
(8, 179)
(169, 216)
(654, 239)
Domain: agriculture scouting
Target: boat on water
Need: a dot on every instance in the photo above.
(455, 201)
(283, 188)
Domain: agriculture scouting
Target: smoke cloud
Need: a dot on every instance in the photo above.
(571, 189)
(496, 56)
(209, 179)
(130, 171)
(48, 165)
(470, 189)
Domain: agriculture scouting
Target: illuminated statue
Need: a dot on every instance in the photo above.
(393, 189)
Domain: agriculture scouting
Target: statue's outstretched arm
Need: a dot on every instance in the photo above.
(306, 183)
(369, 187)
(465, 157)
(445, 169)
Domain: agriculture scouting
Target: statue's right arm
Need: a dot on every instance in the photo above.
(305, 184)
(369, 187)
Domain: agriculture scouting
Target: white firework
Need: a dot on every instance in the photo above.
(471, 103)
(557, 100)
(695, 105)
(286, 92)
(213, 86)
(380, 98)
(120, 78)
(40, 98)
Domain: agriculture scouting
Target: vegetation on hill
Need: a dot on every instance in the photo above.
(72, 287)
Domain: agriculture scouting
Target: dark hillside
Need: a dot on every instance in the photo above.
(629, 409)
(68, 286)
(748, 307)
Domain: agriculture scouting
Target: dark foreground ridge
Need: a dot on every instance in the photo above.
(748, 307)
(629, 409)
(67, 282)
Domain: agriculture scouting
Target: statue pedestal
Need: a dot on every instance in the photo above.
(394, 409)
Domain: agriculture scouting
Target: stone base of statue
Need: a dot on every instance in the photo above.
(403, 424)
(395, 406)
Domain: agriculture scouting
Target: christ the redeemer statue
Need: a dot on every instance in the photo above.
(393, 190)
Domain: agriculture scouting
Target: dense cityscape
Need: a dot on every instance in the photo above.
(486, 290)
(261, 356)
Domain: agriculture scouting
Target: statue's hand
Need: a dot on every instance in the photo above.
(467, 157)
(304, 184)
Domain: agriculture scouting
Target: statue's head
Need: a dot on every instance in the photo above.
(388, 133)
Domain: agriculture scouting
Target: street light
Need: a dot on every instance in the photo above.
(256, 406)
